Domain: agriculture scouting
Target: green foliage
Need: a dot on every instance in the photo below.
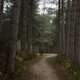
(21, 61)
(51, 60)
(45, 29)
(19, 65)
(70, 67)
(62, 59)
(7, 7)
(30, 56)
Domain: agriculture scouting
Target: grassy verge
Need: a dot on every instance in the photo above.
(59, 69)
(23, 64)
(72, 69)
(65, 68)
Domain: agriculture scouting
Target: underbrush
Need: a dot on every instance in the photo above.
(23, 62)
(72, 69)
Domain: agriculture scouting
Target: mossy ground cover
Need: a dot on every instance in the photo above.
(23, 64)
(59, 69)
(65, 68)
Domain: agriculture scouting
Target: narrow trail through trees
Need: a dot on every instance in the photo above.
(41, 70)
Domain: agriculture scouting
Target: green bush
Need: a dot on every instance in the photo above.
(19, 65)
(72, 69)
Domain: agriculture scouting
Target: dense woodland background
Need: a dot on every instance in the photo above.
(24, 31)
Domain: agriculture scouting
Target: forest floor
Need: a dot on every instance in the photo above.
(42, 70)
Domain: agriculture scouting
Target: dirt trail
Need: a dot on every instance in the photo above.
(41, 70)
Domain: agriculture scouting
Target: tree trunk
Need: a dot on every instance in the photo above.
(1, 12)
(61, 25)
(28, 25)
(77, 31)
(12, 41)
(68, 33)
(58, 26)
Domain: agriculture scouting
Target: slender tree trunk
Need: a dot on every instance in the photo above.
(58, 26)
(1, 8)
(1, 12)
(2, 56)
(68, 38)
(77, 31)
(22, 28)
(61, 25)
(28, 25)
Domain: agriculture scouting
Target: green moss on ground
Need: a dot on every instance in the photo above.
(71, 69)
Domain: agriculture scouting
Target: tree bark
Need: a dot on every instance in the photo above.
(76, 4)
(12, 41)
(68, 31)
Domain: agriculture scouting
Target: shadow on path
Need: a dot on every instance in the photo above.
(41, 70)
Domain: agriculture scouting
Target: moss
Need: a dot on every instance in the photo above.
(72, 69)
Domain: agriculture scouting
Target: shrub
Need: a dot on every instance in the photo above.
(72, 69)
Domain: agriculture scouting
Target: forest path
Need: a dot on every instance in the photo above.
(41, 70)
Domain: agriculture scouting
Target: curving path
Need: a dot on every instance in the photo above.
(41, 70)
